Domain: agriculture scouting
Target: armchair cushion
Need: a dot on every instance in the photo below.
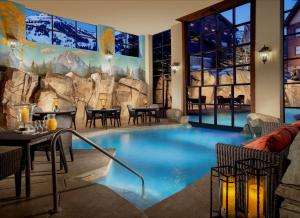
(297, 124)
(292, 129)
(274, 142)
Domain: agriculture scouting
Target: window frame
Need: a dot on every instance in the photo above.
(249, 64)
(127, 46)
(53, 30)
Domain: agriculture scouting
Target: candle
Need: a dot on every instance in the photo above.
(24, 115)
(231, 197)
(145, 101)
(51, 124)
(252, 201)
(103, 103)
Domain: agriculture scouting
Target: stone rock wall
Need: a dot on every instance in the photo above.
(289, 189)
(69, 89)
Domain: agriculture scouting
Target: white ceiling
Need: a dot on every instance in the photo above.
(134, 16)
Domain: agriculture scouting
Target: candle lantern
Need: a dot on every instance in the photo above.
(55, 105)
(145, 101)
(24, 116)
(103, 103)
(257, 181)
(222, 192)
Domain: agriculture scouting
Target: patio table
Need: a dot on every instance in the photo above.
(41, 114)
(144, 110)
(13, 138)
(104, 112)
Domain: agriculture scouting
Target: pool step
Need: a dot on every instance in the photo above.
(141, 202)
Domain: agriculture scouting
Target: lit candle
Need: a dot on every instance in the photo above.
(145, 101)
(103, 103)
(252, 201)
(24, 115)
(231, 197)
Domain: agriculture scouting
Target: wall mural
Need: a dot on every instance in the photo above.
(75, 76)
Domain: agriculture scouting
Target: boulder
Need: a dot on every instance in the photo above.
(174, 115)
(18, 89)
(289, 188)
(254, 120)
(70, 89)
(130, 91)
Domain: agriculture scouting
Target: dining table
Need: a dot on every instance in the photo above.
(144, 110)
(40, 115)
(104, 112)
(25, 141)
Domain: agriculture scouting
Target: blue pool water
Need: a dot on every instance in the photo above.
(170, 159)
(224, 119)
(290, 114)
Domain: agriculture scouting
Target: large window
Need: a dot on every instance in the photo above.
(162, 70)
(126, 44)
(219, 53)
(291, 48)
(48, 29)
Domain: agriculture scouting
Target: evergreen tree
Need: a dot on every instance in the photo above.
(32, 68)
(50, 67)
(89, 71)
(43, 69)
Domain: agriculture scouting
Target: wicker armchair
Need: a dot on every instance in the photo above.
(229, 154)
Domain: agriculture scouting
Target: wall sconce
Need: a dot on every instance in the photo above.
(175, 67)
(264, 53)
(108, 55)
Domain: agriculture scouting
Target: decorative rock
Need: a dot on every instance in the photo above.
(174, 115)
(70, 89)
(254, 120)
(18, 89)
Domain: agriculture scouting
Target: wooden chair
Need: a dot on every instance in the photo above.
(155, 113)
(65, 141)
(132, 114)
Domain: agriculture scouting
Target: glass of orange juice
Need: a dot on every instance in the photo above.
(51, 122)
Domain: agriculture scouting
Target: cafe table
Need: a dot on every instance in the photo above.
(104, 112)
(39, 115)
(144, 110)
(25, 141)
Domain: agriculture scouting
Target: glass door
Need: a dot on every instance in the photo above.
(219, 56)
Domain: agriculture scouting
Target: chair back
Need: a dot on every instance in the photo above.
(64, 121)
(130, 109)
(87, 109)
(203, 99)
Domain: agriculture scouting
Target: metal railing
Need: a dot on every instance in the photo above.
(53, 159)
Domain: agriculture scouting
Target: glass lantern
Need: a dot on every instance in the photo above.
(145, 101)
(222, 196)
(256, 179)
(55, 105)
(103, 103)
(24, 116)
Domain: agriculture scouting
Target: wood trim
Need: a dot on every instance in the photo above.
(185, 67)
(252, 72)
(223, 5)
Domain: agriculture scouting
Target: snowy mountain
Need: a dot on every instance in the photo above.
(69, 62)
(66, 32)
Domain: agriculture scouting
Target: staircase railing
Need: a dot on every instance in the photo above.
(53, 159)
